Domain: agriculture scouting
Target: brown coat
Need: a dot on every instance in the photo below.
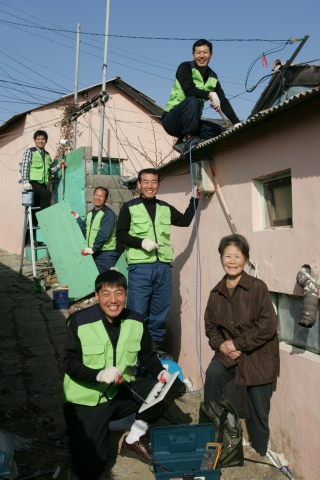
(249, 320)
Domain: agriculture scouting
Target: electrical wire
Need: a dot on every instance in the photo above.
(197, 266)
(268, 52)
(144, 38)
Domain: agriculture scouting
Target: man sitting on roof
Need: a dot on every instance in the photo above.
(195, 83)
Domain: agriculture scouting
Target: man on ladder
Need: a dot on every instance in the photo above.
(35, 170)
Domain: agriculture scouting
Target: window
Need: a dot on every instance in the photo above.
(272, 201)
(110, 166)
(278, 198)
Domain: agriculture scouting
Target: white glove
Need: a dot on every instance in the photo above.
(195, 191)
(215, 101)
(27, 186)
(109, 375)
(87, 251)
(149, 245)
(164, 376)
(237, 125)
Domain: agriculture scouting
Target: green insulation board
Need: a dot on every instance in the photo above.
(121, 265)
(65, 241)
(74, 178)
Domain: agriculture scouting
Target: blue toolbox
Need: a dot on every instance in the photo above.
(178, 451)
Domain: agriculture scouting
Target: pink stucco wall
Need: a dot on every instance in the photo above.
(287, 141)
(127, 126)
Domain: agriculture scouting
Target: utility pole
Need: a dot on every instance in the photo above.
(104, 82)
(76, 79)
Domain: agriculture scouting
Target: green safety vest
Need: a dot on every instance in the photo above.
(141, 226)
(98, 353)
(93, 228)
(39, 168)
(177, 94)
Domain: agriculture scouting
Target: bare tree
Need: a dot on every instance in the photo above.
(159, 158)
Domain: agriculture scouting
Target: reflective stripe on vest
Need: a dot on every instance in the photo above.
(39, 168)
(177, 94)
(93, 228)
(97, 353)
(141, 226)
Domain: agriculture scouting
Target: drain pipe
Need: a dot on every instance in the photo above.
(310, 297)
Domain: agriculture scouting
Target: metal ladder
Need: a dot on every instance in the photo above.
(28, 225)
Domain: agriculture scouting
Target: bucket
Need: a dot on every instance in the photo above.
(27, 198)
(39, 284)
(60, 298)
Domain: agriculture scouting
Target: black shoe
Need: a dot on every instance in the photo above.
(139, 450)
(158, 348)
(178, 146)
(190, 140)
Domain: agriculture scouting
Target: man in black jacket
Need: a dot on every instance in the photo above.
(102, 342)
(195, 83)
(144, 227)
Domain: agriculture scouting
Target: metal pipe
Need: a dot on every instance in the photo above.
(104, 82)
(76, 79)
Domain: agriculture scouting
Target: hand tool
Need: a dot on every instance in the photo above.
(131, 390)
(227, 123)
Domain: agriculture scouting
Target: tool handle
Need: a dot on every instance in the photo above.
(228, 124)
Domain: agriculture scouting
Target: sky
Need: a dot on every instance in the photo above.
(37, 65)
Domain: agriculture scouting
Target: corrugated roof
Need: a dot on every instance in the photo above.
(259, 117)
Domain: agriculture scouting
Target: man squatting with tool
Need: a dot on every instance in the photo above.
(36, 168)
(144, 226)
(195, 83)
(102, 342)
(99, 230)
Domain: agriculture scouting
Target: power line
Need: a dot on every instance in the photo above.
(145, 38)
(34, 86)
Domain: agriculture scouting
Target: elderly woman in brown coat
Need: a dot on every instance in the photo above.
(241, 325)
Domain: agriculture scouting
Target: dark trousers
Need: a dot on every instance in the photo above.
(149, 293)
(259, 396)
(185, 119)
(105, 259)
(87, 427)
(42, 199)
(42, 195)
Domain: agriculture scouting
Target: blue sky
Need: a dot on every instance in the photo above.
(39, 57)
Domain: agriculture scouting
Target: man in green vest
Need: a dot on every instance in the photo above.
(99, 230)
(195, 83)
(102, 342)
(144, 226)
(36, 169)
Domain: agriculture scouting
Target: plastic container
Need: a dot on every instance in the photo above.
(179, 450)
(61, 298)
(27, 198)
(172, 367)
